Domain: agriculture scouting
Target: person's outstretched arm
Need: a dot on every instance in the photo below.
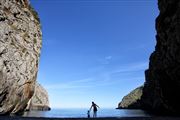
(90, 108)
(97, 106)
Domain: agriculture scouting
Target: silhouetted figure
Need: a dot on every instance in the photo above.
(88, 114)
(94, 106)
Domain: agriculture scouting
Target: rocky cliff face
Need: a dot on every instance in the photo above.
(20, 44)
(162, 86)
(132, 100)
(40, 99)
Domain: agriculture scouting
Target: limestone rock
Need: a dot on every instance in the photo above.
(132, 100)
(162, 87)
(20, 44)
(40, 99)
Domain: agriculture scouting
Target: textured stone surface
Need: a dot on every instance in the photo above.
(132, 100)
(20, 43)
(162, 87)
(40, 99)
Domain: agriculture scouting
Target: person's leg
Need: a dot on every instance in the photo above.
(95, 114)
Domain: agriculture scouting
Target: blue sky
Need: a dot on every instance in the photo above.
(94, 50)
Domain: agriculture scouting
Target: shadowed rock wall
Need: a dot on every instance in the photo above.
(20, 44)
(161, 91)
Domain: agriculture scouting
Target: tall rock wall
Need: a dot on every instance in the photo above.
(20, 44)
(161, 91)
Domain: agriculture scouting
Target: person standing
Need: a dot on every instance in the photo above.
(94, 106)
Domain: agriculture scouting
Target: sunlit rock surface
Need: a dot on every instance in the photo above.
(40, 99)
(161, 92)
(20, 44)
(132, 100)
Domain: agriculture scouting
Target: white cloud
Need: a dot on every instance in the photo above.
(105, 60)
(103, 79)
(83, 83)
(108, 57)
(132, 67)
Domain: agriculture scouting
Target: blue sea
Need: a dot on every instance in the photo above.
(82, 113)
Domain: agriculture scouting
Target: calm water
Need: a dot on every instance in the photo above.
(71, 113)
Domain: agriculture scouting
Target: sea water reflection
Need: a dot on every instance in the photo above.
(74, 113)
